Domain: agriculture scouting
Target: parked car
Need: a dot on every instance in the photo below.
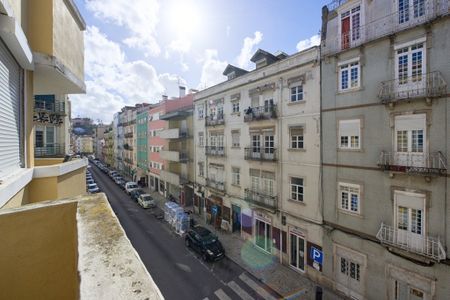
(122, 184)
(146, 201)
(93, 188)
(89, 181)
(136, 193)
(205, 243)
(129, 186)
(112, 173)
(118, 178)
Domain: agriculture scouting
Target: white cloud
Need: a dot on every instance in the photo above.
(112, 81)
(140, 17)
(179, 47)
(228, 30)
(247, 51)
(305, 44)
(212, 69)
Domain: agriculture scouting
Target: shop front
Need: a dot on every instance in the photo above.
(263, 232)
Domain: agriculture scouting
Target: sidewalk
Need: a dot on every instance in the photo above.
(267, 268)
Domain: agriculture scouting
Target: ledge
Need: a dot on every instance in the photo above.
(10, 186)
(14, 37)
(59, 169)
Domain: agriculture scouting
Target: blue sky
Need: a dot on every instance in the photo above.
(137, 50)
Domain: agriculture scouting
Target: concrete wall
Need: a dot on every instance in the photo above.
(39, 262)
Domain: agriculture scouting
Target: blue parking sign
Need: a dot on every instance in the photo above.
(316, 255)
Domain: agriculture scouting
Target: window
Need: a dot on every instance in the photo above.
(201, 169)
(408, 8)
(269, 143)
(236, 176)
(349, 75)
(155, 116)
(200, 111)
(349, 197)
(201, 139)
(235, 139)
(235, 106)
(410, 137)
(410, 66)
(349, 134)
(410, 218)
(297, 93)
(350, 269)
(297, 189)
(296, 137)
(350, 26)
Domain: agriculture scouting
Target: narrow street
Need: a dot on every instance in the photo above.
(179, 272)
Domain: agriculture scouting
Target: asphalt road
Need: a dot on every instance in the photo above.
(179, 272)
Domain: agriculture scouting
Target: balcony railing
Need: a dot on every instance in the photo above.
(421, 86)
(335, 4)
(215, 184)
(215, 150)
(261, 198)
(432, 164)
(427, 246)
(260, 153)
(53, 150)
(128, 135)
(215, 121)
(384, 26)
(260, 113)
(44, 106)
(183, 157)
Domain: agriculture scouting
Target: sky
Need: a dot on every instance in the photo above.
(138, 50)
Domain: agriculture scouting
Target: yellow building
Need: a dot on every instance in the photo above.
(41, 62)
(84, 144)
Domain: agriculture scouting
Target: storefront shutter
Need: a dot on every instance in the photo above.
(10, 113)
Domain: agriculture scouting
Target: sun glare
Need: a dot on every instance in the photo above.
(185, 18)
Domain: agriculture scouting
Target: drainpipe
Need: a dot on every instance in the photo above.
(280, 159)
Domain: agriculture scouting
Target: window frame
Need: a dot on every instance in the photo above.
(234, 104)
(235, 176)
(348, 67)
(297, 93)
(349, 137)
(291, 192)
(233, 134)
(297, 141)
(349, 197)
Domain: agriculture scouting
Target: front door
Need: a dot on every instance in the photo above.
(256, 146)
(345, 31)
(410, 220)
(410, 137)
(297, 252)
(236, 211)
(263, 237)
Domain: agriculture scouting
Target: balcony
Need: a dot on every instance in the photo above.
(176, 156)
(128, 135)
(128, 160)
(128, 147)
(433, 164)
(429, 85)
(215, 151)
(382, 26)
(260, 153)
(260, 113)
(172, 178)
(53, 150)
(427, 246)
(58, 47)
(214, 121)
(260, 198)
(174, 133)
(56, 107)
(218, 185)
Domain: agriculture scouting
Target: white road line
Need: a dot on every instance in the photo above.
(256, 287)
(206, 298)
(239, 291)
(221, 295)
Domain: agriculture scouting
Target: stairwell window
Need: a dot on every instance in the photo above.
(297, 189)
(350, 134)
(297, 93)
(236, 176)
(235, 139)
(201, 139)
(349, 75)
(349, 197)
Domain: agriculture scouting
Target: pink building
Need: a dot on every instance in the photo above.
(156, 143)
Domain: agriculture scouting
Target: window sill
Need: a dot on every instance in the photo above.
(235, 147)
(349, 150)
(296, 149)
(342, 92)
(297, 201)
(238, 113)
(296, 102)
(354, 214)
(236, 185)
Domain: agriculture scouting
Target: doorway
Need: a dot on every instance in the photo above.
(297, 252)
(236, 215)
(262, 235)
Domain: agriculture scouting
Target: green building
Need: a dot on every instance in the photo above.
(142, 146)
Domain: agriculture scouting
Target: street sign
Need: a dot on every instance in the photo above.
(316, 255)
(214, 209)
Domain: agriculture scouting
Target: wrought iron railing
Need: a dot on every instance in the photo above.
(215, 150)
(215, 184)
(52, 150)
(260, 153)
(56, 107)
(431, 164)
(420, 86)
(383, 26)
(261, 198)
(260, 113)
(214, 121)
(428, 246)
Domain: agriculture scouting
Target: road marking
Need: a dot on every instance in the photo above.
(206, 298)
(256, 287)
(221, 295)
(239, 291)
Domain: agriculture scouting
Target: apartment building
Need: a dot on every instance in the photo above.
(142, 145)
(108, 149)
(385, 124)
(179, 153)
(118, 142)
(99, 140)
(257, 156)
(84, 144)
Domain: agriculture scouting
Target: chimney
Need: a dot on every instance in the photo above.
(193, 91)
(182, 91)
(164, 97)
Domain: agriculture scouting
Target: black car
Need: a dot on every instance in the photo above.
(204, 242)
(136, 193)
